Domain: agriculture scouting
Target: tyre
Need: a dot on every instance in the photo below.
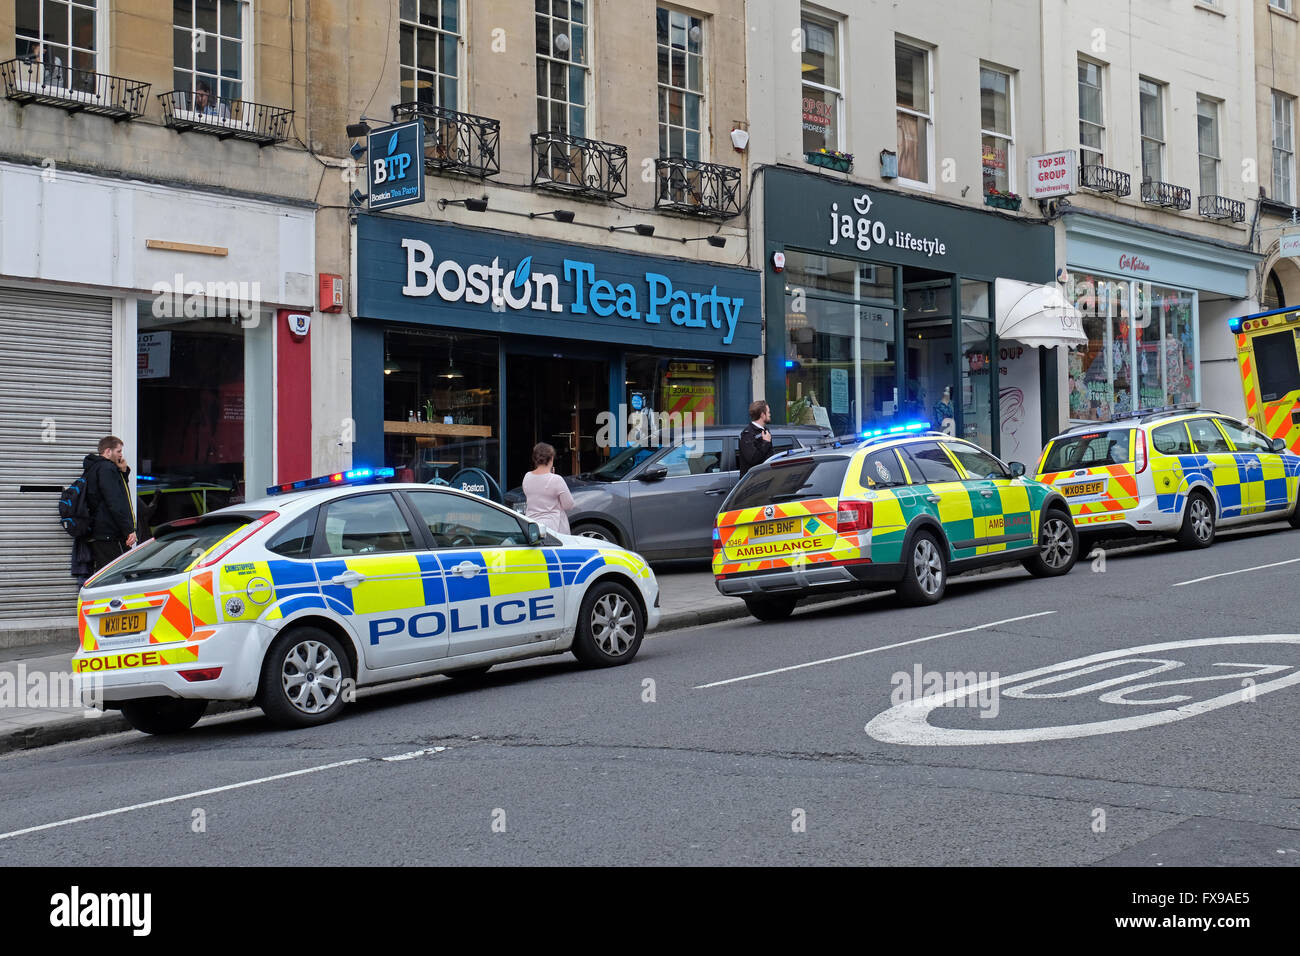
(597, 532)
(925, 571)
(468, 675)
(304, 678)
(163, 715)
(610, 626)
(771, 609)
(1295, 514)
(1058, 547)
(1198, 522)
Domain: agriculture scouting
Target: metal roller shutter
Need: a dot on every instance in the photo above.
(56, 393)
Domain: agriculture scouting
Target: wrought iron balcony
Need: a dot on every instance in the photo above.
(30, 80)
(455, 143)
(1103, 179)
(1168, 195)
(1221, 207)
(224, 117)
(698, 189)
(583, 167)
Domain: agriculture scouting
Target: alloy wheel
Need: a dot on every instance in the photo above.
(312, 677)
(1058, 543)
(613, 624)
(1202, 521)
(928, 566)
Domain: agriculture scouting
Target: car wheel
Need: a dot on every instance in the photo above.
(610, 626)
(163, 715)
(304, 678)
(597, 532)
(1198, 522)
(925, 571)
(468, 675)
(771, 609)
(1295, 513)
(1058, 547)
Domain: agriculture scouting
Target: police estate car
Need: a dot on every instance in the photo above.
(1174, 471)
(292, 600)
(897, 510)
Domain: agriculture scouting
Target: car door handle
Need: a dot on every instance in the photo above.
(466, 569)
(986, 493)
(933, 499)
(718, 491)
(349, 579)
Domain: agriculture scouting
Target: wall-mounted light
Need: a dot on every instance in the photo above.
(559, 215)
(357, 151)
(358, 197)
(473, 205)
(641, 229)
(717, 242)
(358, 130)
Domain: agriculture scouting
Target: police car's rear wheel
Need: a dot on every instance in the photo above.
(771, 609)
(1058, 547)
(163, 715)
(925, 573)
(304, 678)
(610, 626)
(1198, 522)
(1295, 513)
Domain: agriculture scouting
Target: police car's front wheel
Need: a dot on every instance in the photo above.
(1198, 522)
(305, 678)
(610, 626)
(163, 715)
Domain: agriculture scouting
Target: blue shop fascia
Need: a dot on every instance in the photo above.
(470, 346)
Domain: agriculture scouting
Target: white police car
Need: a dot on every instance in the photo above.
(336, 582)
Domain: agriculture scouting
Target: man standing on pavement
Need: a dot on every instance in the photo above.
(112, 520)
(755, 440)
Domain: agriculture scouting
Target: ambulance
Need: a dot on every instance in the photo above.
(1268, 357)
(337, 582)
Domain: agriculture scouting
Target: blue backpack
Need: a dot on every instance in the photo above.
(74, 510)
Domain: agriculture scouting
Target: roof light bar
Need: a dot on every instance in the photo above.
(354, 476)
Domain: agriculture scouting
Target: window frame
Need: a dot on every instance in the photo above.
(246, 40)
(1010, 138)
(102, 49)
(1104, 148)
(1283, 6)
(1144, 137)
(1175, 426)
(952, 445)
(870, 482)
(909, 456)
(928, 183)
(1250, 431)
(417, 517)
(461, 93)
(1217, 156)
(662, 89)
(1196, 443)
(824, 18)
(1287, 152)
(320, 543)
(588, 103)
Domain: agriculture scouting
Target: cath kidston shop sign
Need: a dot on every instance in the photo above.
(1052, 175)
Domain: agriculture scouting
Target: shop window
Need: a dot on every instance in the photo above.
(1283, 148)
(562, 66)
(61, 36)
(209, 49)
(1207, 144)
(366, 524)
(1092, 126)
(666, 397)
(441, 394)
(978, 382)
(823, 95)
(430, 51)
(996, 131)
(1151, 117)
(915, 111)
(679, 38)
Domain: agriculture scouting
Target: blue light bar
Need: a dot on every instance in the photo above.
(355, 476)
(1234, 324)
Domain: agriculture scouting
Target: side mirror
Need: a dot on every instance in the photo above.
(535, 533)
(1279, 445)
(1017, 469)
(654, 473)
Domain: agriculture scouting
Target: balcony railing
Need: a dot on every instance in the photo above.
(583, 167)
(1155, 193)
(1103, 179)
(29, 80)
(1221, 207)
(455, 143)
(698, 189)
(225, 117)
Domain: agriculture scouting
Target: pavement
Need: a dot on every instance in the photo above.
(40, 675)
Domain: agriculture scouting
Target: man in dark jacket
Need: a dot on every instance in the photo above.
(112, 520)
(755, 440)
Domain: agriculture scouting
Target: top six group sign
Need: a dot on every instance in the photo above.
(395, 165)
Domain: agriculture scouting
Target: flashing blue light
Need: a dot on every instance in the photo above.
(916, 426)
(355, 476)
(1234, 324)
(789, 364)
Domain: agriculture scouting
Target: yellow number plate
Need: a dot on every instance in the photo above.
(1087, 488)
(772, 529)
(132, 622)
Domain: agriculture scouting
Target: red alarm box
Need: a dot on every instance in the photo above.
(331, 292)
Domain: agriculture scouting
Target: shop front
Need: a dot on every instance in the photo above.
(881, 309)
(471, 346)
(1154, 309)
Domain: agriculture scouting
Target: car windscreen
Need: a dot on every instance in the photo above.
(171, 552)
(1089, 449)
(792, 480)
(618, 467)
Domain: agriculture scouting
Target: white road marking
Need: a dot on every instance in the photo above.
(184, 796)
(415, 753)
(1224, 574)
(873, 650)
(908, 723)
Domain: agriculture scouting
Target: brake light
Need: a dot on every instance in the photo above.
(235, 539)
(1140, 458)
(854, 516)
(203, 673)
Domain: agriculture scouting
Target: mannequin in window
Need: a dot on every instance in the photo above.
(945, 417)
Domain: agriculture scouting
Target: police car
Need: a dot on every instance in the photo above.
(901, 509)
(1175, 471)
(337, 582)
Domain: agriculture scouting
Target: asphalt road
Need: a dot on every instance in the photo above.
(716, 747)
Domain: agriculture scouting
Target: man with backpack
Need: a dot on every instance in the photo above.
(108, 497)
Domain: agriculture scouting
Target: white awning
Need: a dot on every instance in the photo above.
(1037, 315)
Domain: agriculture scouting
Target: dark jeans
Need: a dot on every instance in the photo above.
(105, 550)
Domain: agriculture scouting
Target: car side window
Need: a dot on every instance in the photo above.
(932, 462)
(456, 521)
(1206, 439)
(881, 469)
(700, 457)
(1172, 439)
(366, 524)
(977, 462)
(1246, 439)
(296, 539)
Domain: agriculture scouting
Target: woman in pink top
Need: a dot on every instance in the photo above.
(546, 492)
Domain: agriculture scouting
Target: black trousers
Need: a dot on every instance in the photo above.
(105, 550)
